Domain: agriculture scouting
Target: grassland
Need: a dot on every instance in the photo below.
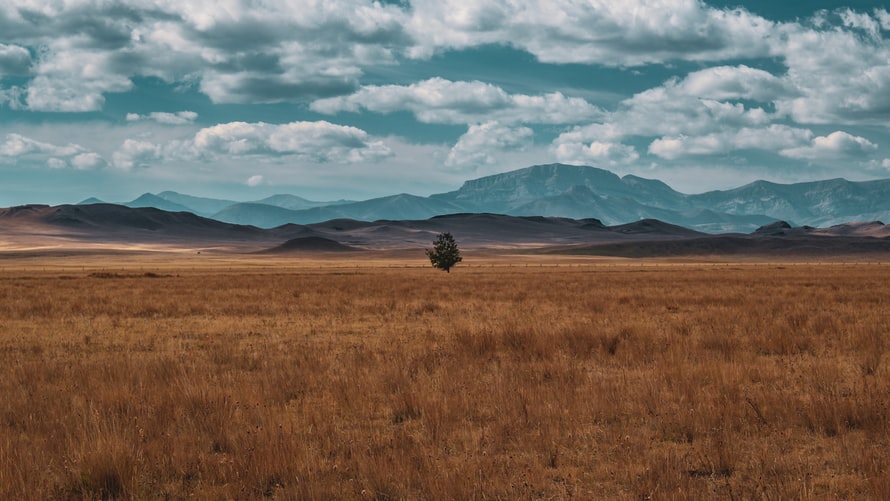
(626, 382)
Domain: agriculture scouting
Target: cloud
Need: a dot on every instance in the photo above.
(480, 144)
(438, 100)
(724, 83)
(135, 153)
(17, 146)
(627, 33)
(774, 138)
(87, 161)
(837, 145)
(321, 141)
(596, 152)
(246, 52)
(254, 180)
(703, 102)
(840, 75)
(14, 60)
(178, 118)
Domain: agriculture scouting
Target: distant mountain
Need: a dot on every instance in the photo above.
(149, 200)
(90, 201)
(394, 207)
(817, 203)
(294, 202)
(198, 205)
(579, 192)
(256, 214)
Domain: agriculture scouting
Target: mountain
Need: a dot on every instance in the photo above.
(817, 203)
(294, 202)
(198, 205)
(149, 200)
(394, 207)
(577, 192)
(255, 214)
(504, 192)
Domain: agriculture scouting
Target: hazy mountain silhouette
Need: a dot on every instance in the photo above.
(578, 192)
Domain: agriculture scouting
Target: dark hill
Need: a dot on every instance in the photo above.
(311, 244)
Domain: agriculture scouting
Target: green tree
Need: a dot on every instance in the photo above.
(444, 253)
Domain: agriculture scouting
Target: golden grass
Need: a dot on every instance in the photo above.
(668, 382)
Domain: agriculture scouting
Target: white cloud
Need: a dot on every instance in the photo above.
(87, 161)
(254, 180)
(320, 141)
(840, 76)
(242, 52)
(479, 145)
(135, 153)
(695, 106)
(438, 100)
(837, 145)
(178, 118)
(56, 163)
(774, 138)
(73, 80)
(17, 145)
(598, 153)
(734, 82)
(627, 33)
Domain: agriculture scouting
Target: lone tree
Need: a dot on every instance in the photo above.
(444, 253)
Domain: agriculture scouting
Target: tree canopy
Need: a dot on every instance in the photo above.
(444, 254)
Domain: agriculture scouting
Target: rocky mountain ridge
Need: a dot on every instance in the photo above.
(579, 192)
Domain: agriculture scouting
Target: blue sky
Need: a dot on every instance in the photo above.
(354, 99)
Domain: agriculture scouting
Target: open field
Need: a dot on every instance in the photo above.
(236, 379)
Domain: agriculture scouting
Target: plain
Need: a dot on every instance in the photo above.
(387, 380)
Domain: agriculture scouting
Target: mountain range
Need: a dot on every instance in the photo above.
(569, 191)
(35, 230)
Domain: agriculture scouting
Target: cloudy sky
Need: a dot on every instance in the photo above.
(331, 99)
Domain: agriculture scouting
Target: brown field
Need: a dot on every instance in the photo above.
(241, 380)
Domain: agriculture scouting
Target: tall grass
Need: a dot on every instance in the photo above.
(664, 383)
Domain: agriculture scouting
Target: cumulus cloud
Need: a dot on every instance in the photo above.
(703, 102)
(735, 82)
(840, 75)
(17, 146)
(73, 80)
(774, 138)
(627, 33)
(254, 180)
(320, 141)
(14, 60)
(135, 153)
(438, 100)
(245, 52)
(87, 161)
(787, 141)
(481, 143)
(177, 118)
(596, 152)
(837, 145)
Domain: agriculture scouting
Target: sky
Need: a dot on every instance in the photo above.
(355, 99)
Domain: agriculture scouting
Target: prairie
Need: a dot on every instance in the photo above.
(374, 381)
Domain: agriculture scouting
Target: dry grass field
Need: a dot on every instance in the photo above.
(624, 382)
